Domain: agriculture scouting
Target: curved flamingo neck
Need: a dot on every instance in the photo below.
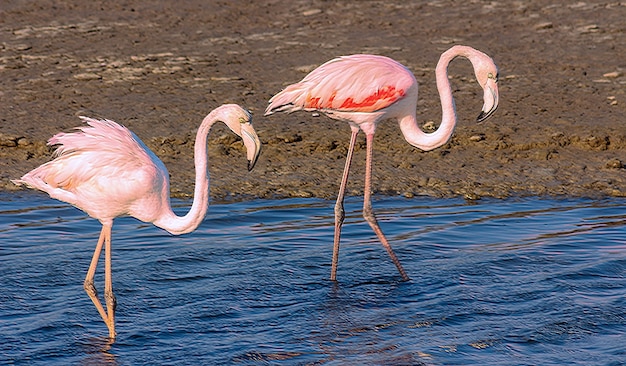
(181, 225)
(408, 124)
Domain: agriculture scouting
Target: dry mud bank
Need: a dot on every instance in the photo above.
(160, 68)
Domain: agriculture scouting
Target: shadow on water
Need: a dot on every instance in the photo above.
(97, 351)
(520, 281)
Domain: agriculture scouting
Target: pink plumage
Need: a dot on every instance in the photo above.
(367, 89)
(107, 171)
(356, 83)
(103, 168)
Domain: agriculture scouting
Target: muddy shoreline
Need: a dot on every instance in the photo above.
(160, 68)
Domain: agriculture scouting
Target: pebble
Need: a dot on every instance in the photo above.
(306, 68)
(614, 164)
(429, 126)
(544, 25)
(23, 47)
(612, 75)
(591, 28)
(8, 141)
(87, 76)
(310, 12)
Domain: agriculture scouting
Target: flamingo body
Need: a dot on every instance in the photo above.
(356, 83)
(107, 171)
(367, 89)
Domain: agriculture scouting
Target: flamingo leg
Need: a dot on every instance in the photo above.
(105, 236)
(368, 212)
(109, 297)
(340, 214)
(88, 284)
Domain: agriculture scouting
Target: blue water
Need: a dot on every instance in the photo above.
(494, 282)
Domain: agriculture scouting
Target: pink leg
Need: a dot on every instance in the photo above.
(339, 211)
(368, 212)
(105, 237)
(109, 297)
(88, 284)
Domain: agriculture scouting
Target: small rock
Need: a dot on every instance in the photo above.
(310, 12)
(614, 164)
(302, 194)
(591, 28)
(306, 68)
(544, 25)
(612, 100)
(614, 74)
(599, 143)
(87, 76)
(8, 140)
(429, 126)
(477, 138)
(23, 141)
(23, 47)
(289, 137)
(226, 79)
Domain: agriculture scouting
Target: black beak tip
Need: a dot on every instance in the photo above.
(484, 115)
(251, 164)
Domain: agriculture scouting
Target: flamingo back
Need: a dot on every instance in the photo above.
(355, 83)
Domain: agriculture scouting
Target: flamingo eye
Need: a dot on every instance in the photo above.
(491, 76)
(242, 120)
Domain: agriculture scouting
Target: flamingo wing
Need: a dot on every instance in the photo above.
(356, 83)
(95, 166)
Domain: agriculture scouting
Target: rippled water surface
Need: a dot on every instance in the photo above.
(514, 282)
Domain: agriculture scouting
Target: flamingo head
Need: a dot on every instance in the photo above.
(240, 122)
(487, 76)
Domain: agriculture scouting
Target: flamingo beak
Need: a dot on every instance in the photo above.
(491, 99)
(252, 143)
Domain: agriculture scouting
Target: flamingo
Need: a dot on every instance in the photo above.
(364, 90)
(105, 170)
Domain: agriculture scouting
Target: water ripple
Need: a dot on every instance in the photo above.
(520, 281)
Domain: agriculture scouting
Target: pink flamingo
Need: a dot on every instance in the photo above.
(105, 170)
(366, 89)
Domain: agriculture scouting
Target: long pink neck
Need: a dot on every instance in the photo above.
(181, 225)
(410, 129)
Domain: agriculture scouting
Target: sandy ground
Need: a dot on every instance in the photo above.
(160, 67)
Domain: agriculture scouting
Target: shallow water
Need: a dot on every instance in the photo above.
(521, 281)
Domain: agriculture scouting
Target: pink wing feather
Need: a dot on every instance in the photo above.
(356, 83)
(101, 147)
(102, 156)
